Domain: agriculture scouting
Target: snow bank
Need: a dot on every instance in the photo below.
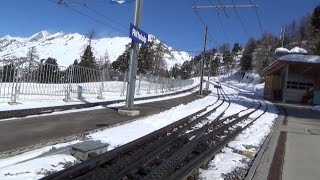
(249, 83)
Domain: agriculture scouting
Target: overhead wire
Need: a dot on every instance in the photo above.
(257, 15)
(85, 5)
(223, 7)
(86, 15)
(204, 24)
(240, 19)
(220, 21)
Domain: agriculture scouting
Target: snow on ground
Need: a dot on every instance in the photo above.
(36, 168)
(115, 136)
(28, 166)
(249, 140)
(223, 163)
(250, 83)
(128, 132)
(316, 108)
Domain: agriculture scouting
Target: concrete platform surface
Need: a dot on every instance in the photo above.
(302, 155)
(24, 132)
(296, 154)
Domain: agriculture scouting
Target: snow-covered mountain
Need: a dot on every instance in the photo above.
(68, 47)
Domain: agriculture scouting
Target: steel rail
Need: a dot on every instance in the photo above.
(157, 152)
(206, 156)
(88, 166)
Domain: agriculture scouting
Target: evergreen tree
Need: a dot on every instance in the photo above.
(175, 71)
(121, 64)
(186, 70)
(236, 48)
(215, 66)
(159, 63)
(246, 60)
(48, 72)
(75, 62)
(87, 59)
(7, 73)
(146, 58)
(316, 19)
(228, 61)
(316, 49)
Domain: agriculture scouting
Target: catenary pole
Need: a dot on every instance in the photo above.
(133, 58)
(203, 58)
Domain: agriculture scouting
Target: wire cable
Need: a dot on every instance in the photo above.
(220, 21)
(204, 24)
(257, 15)
(60, 2)
(222, 27)
(223, 7)
(85, 5)
(240, 19)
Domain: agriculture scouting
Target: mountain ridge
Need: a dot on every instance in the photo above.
(66, 47)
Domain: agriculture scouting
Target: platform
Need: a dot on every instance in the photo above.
(292, 153)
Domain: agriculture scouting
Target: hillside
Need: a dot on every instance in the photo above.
(68, 47)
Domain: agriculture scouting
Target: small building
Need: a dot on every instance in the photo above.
(293, 78)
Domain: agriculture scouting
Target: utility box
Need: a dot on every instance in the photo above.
(83, 150)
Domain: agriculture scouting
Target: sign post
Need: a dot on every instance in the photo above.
(137, 36)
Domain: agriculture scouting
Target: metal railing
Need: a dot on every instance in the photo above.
(23, 80)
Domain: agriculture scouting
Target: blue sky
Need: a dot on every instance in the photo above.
(172, 21)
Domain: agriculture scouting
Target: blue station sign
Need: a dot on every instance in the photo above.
(137, 35)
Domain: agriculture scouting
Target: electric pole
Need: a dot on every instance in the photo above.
(283, 30)
(203, 58)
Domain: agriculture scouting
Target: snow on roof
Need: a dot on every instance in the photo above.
(300, 58)
(282, 50)
(293, 50)
(298, 50)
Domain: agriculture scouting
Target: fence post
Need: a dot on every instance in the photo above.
(162, 85)
(149, 92)
(124, 83)
(14, 90)
(68, 89)
(156, 81)
(102, 77)
(139, 85)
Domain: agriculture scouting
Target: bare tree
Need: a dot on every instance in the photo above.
(90, 35)
(32, 56)
(104, 61)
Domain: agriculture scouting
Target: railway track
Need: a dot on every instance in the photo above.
(172, 152)
(46, 110)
